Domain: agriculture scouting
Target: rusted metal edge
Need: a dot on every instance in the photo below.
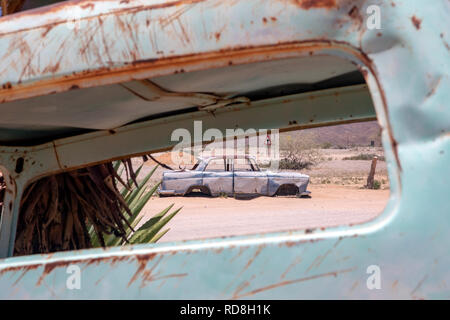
(144, 69)
(129, 7)
(57, 8)
(140, 70)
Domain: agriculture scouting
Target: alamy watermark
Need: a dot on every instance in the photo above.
(374, 280)
(373, 21)
(262, 144)
(73, 281)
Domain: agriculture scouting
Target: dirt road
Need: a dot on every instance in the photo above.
(203, 217)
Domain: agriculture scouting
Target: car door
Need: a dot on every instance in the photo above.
(248, 179)
(217, 178)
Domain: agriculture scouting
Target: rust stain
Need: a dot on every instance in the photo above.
(369, 64)
(124, 73)
(142, 262)
(358, 20)
(416, 22)
(434, 87)
(290, 244)
(218, 250)
(20, 277)
(257, 252)
(419, 284)
(288, 282)
(318, 260)
(241, 250)
(174, 275)
(47, 30)
(88, 5)
(338, 241)
(58, 7)
(149, 276)
(394, 284)
(185, 35)
(49, 267)
(355, 284)
(90, 40)
(174, 16)
(315, 4)
(355, 15)
(239, 289)
(293, 264)
(52, 68)
(445, 42)
(15, 269)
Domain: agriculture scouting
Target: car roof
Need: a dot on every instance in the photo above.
(226, 157)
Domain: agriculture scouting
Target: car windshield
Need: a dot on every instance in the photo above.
(254, 165)
(196, 165)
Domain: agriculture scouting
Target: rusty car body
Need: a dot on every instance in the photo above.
(227, 178)
(85, 82)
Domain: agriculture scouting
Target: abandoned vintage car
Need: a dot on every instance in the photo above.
(232, 176)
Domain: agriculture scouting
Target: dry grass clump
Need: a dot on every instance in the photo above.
(298, 154)
(57, 211)
(364, 156)
(11, 6)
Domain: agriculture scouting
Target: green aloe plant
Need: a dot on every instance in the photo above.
(136, 197)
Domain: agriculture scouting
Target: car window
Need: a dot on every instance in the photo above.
(216, 165)
(242, 165)
(254, 165)
(229, 165)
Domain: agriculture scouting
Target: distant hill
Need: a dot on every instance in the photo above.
(345, 135)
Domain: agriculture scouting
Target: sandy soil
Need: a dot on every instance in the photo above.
(204, 217)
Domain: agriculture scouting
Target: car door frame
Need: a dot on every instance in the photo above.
(217, 182)
(245, 179)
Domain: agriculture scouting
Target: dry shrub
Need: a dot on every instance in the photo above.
(57, 211)
(364, 156)
(298, 152)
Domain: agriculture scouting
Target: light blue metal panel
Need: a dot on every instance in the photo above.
(406, 65)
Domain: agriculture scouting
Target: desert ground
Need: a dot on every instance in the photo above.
(204, 217)
(338, 198)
